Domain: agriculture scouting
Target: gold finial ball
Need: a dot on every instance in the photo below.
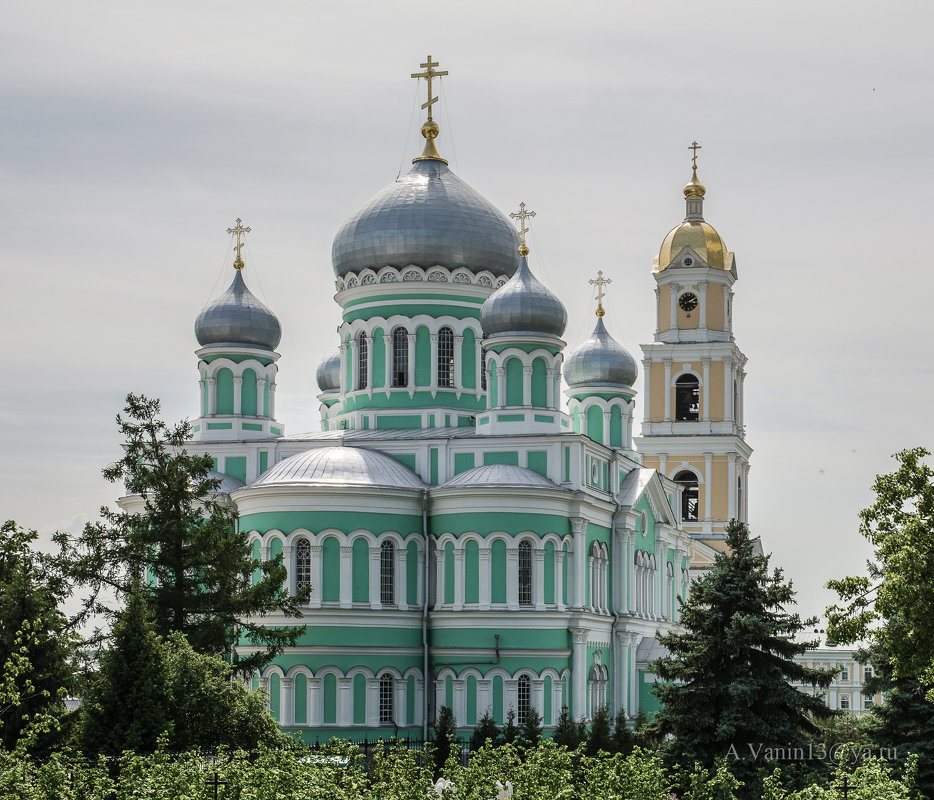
(523, 250)
(600, 311)
(238, 264)
(430, 129)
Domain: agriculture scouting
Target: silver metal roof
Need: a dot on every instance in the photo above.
(329, 373)
(600, 361)
(427, 217)
(341, 466)
(650, 649)
(228, 482)
(238, 317)
(500, 475)
(523, 305)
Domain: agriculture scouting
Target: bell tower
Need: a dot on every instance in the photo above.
(693, 428)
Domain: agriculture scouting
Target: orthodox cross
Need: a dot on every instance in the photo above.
(695, 147)
(215, 782)
(428, 74)
(522, 215)
(239, 230)
(600, 282)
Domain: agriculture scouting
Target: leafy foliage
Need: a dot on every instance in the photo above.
(568, 733)
(897, 591)
(728, 673)
(199, 567)
(531, 730)
(34, 634)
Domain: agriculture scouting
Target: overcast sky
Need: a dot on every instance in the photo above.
(133, 134)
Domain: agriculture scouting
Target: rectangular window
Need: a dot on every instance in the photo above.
(385, 699)
(387, 573)
(845, 702)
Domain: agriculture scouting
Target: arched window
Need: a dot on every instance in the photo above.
(525, 573)
(446, 358)
(302, 564)
(387, 573)
(483, 368)
(386, 686)
(400, 357)
(362, 358)
(689, 497)
(598, 680)
(523, 698)
(687, 399)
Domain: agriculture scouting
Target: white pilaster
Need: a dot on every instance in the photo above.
(345, 702)
(374, 578)
(538, 579)
(484, 578)
(512, 582)
(286, 701)
(707, 392)
(667, 389)
(346, 586)
(578, 672)
(708, 485)
(579, 530)
(315, 703)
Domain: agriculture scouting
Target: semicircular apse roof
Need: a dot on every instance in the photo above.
(341, 466)
(493, 475)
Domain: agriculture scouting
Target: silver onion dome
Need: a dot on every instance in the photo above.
(427, 217)
(238, 317)
(329, 374)
(523, 305)
(600, 361)
(341, 466)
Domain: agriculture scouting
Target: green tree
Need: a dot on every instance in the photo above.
(127, 707)
(624, 739)
(445, 731)
(510, 730)
(30, 592)
(485, 731)
(567, 732)
(531, 729)
(599, 737)
(198, 566)
(726, 678)
(894, 605)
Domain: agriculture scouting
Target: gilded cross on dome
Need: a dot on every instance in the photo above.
(695, 147)
(600, 282)
(522, 215)
(239, 230)
(428, 74)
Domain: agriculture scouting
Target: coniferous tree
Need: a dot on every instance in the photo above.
(445, 731)
(30, 592)
(727, 675)
(599, 736)
(623, 739)
(127, 706)
(531, 730)
(485, 731)
(510, 730)
(198, 567)
(567, 732)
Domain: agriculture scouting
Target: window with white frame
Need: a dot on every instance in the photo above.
(400, 357)
(362, 358)
(525, 573)
(689, 495)
(523, 699)
(687, 399)
(387, 573)
(446, 358)
(302, 563)
(844, 702)
(598, 681)
(483, 368)
(386, 687)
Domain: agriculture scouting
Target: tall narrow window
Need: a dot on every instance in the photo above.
(387, 573)
(446, 358)
(386, 685)
(362, 358)
(525, 573)
(302, 564)
(400, 357)
(687, 399)
(689, 497)
(524, 699)
(739, 499)
(483, 368)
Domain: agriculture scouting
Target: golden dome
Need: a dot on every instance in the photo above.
(695, 188)
(700, 236)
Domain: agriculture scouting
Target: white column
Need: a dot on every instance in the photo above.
(578, 672)
(212, 396)
(315, 702)
(606, 428)
(387, 361)
(401, 578)
(458, 578)
(345, 702)
(439, 696)
(538, 579)
(706, 363)
(345, 354)
(372, 702)
(526, 386)
(484, 577)
(375, 570)
(272, 399)
(286, 701)
(398, 701)
(433, 379)
(500, 387)
(264, 685)
(411, 351)
(550, 387)
(559, 573)
(369, 364)
(260, 386)
(458, 363)
(708, 485)
(702, 305)
(731, 489)
(289, 568)
(673, 288)
(667, 389)
(460, 701)
(317, 572)
(555, 699)
(439, 577)
(579, 529)
(238, 394)
(512, 579)
(633, 709)
(478, 368)
(484, 696)
(419, 701)
(346, 576)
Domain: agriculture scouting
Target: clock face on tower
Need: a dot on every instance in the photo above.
(688, 301)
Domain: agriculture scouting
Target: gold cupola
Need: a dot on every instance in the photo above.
(694, 233)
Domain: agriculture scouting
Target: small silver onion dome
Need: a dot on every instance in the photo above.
(523, 305)
(341, 466)
(600, 361)
(427, 217)
(237, 317)
(329, 374)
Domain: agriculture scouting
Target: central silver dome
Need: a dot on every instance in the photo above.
(427, 217)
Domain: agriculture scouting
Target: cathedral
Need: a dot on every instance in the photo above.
(478, 524)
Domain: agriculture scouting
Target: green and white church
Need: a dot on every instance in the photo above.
(474, 522)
